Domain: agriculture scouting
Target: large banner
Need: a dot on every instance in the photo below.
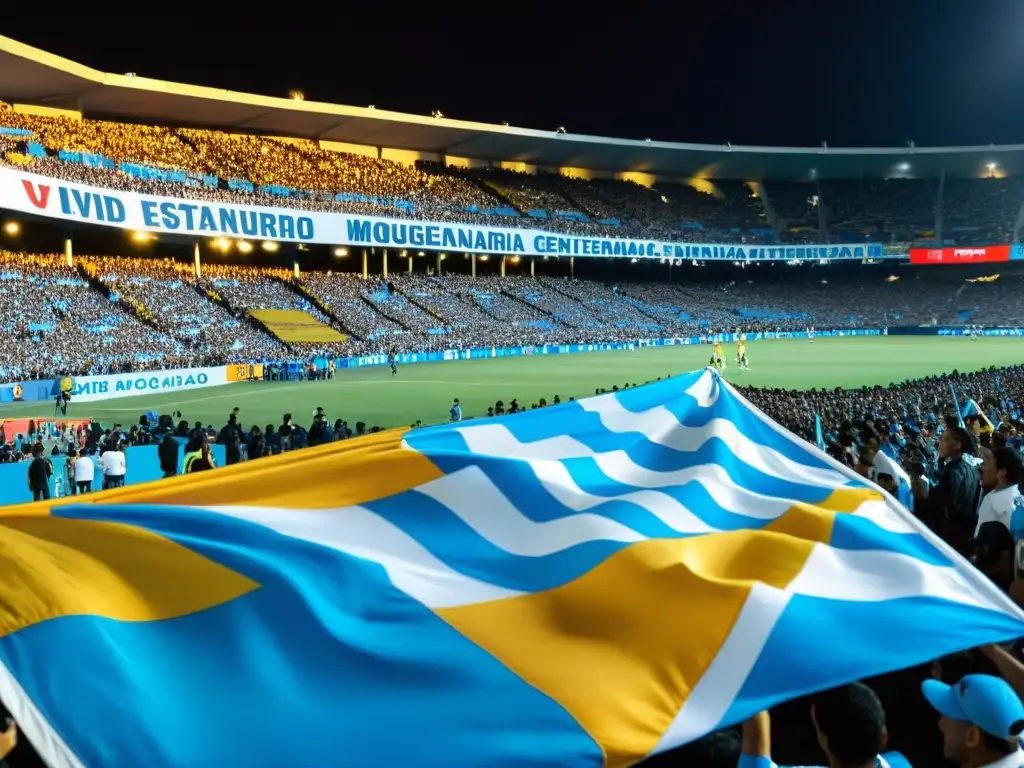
(93, 388)
(45, 196)
(965, 255)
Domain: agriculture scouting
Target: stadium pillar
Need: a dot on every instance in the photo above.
(572, 266)
(472, 265)
(67, 252)
(532, 263)
(365, 273)
(385, 263)
(439, 265)
(409, 270)
(195, 259)
(295, 266)
(502, 266)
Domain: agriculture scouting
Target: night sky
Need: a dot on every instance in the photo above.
(867, 73)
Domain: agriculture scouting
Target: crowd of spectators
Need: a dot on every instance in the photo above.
(165, 292)
(54, 321)
(302, 174)
(113, 313)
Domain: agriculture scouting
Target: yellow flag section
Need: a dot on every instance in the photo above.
(295, 326)
(606, 648)
(54, 566)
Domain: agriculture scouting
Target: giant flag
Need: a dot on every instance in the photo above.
(582, 585)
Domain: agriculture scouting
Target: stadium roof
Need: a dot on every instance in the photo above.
(31, 76)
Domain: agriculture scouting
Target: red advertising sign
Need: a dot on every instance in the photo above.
(967, 255)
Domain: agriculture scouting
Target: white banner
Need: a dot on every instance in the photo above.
(44, 196)
(94, 388)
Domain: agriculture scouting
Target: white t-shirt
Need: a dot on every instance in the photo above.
(113, 464)
(997, 506)
(84, 469)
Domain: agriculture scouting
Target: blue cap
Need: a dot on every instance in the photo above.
(982, 700)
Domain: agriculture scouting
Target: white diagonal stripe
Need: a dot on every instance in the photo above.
(359, 532)
(471, 495)
(722, 681)
(498, 441)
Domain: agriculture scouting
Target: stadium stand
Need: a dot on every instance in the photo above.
(113, 313)
(217, 166)
(165, 291)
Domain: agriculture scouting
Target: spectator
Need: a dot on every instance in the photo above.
(850, 726)
(114, 466)
(981, 721)
(1000, 477)
(198, 457)
(39, 472)
(84, 473)
(168, 454)
(955, 498)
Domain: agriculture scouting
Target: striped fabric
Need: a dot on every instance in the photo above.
(581, 585)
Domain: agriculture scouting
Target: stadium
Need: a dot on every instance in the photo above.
(180, 261)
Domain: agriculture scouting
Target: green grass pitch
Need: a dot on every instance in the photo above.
(425, 391)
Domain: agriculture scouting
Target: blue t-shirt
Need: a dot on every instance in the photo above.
(890, 759)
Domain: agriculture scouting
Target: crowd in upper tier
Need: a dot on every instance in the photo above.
(218, 166)
(114, 313)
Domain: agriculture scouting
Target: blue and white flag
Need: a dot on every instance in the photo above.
(585, 585)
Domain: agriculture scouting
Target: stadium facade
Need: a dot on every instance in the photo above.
(39, 83)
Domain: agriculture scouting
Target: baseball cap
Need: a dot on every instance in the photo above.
(982, 700)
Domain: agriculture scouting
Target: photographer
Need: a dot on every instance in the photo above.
(39, 472)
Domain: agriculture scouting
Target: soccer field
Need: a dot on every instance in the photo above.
(425, 391)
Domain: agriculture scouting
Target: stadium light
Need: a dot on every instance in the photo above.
(560, 129)
(483, 257)
(244, 246)
(405, 253)
(437, 114)
(339, 252)
(12, 228)
(991, 166)
(221, 244)
(269, 246)
(421, 253)
(903, 167)
(296, 95)
(372, 106)
(142, 237)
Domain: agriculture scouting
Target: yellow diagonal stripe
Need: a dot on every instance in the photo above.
(622, 646)
(55, 567)
(334, 475)
(814, 521)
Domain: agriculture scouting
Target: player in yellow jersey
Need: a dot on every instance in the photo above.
(717, 359)
(741, 354)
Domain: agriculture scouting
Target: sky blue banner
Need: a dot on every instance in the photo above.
(1017, 252)
(45, 196)
(27, 391)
